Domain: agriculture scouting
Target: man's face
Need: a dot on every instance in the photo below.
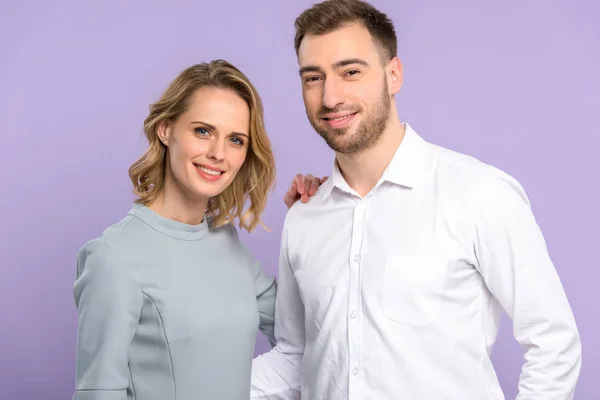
(345, 87)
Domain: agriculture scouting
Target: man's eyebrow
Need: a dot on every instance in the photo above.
(350, 61)
(337, 65)
(311, 68)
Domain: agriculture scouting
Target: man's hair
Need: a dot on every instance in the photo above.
(329, 15)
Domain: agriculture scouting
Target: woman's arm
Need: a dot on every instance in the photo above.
(109, 301)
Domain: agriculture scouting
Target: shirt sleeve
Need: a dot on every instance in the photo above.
(276, 374)
(514, 262)
(109, 302)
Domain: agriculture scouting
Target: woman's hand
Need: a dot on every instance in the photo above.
(302, 188)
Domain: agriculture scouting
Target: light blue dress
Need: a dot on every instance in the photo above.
(168, 311)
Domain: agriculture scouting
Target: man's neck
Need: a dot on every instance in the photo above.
(363, 170)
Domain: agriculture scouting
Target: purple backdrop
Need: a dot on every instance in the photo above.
(515, 85)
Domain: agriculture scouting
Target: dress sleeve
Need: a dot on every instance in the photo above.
(109, 302)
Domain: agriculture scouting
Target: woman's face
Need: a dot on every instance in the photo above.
(207, 145)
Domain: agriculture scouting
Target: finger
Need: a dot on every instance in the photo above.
(291, 195)
(323, 179)
(293, 190)
(314, 185)
(299, 180)
(308, 184)
(308, 187)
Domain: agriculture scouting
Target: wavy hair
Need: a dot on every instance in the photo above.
(256, 177)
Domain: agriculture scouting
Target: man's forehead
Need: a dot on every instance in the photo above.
(348, 42)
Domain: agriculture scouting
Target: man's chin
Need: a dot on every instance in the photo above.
(335, 133)
(340, 144)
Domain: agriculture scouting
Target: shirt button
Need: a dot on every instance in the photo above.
(353, 314)
(356, 258)
(355, 371)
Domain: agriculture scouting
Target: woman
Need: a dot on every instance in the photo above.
(169, 299)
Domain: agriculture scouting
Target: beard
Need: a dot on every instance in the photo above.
(367, 133)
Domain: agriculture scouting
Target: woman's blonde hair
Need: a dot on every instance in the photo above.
(256, 177)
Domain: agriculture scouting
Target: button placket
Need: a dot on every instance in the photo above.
(354, 328)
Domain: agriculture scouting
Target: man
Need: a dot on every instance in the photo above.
(394, 276)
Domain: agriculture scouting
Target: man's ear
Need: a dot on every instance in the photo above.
(395, 75)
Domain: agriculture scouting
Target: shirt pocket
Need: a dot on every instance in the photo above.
(412, 288)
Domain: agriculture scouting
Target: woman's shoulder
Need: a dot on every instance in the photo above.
(227, 231)
(115, 233)
(111, 249)
(229, 238)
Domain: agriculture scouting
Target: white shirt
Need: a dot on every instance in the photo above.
(399, 295)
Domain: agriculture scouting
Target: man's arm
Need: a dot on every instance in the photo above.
(514, 262)
(276, 374)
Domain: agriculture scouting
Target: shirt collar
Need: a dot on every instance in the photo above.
(404, 168)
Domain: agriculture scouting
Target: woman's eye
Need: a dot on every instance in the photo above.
(237, 141)
(201, 131)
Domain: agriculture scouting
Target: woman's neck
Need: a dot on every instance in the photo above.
(172, 203)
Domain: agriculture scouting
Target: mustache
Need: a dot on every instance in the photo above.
(326, 110)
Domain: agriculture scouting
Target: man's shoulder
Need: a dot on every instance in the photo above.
(473, 182)
(300, 211)
(463, 169)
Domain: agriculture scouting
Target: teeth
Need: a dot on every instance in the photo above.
(210, 171)
(341, 118)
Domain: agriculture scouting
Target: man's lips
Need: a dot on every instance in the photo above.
(339, 120)
(337, 116)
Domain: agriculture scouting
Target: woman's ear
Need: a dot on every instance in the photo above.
(163, 131)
